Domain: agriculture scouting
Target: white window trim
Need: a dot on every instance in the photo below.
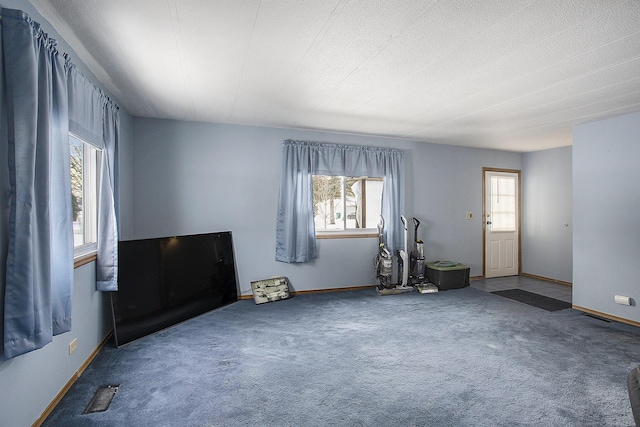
(85, 250)
(90, 203)
(348, 232)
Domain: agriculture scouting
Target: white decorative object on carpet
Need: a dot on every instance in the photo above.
(268, 290)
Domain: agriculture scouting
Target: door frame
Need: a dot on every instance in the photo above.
(484, 216)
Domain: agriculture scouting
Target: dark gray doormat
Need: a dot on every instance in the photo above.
(540, 301)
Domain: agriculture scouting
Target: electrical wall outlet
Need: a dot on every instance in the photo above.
(73, 345)
(621, 299)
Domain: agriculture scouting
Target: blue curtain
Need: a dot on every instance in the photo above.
(295, 231)
(46, 98)
(39, 265)
(94, 118)
(107, 262)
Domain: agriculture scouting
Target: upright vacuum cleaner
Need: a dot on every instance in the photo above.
(383, 262)
(417, 256)
(403, 258)
(417, 277)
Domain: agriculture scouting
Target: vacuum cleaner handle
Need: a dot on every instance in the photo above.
(406, 232)
(416, 224)
(381, 231)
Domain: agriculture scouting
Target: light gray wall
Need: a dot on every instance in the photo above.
(197, 177)
(31, 381)
(547, 222)
(125, 177)
(447, 183)
(606, 202)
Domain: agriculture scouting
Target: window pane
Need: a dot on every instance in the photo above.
(77, 185)
(327, 202)
(346, 203)
(503, 204)
(354, 189)
(85, 170)
(91, 173)
(373, 203)
(364, 202)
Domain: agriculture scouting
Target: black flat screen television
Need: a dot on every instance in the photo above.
(164, 281)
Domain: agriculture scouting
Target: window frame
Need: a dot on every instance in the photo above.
(499, 209)
(348, 233)
(87, 252)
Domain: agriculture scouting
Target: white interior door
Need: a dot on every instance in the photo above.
(502, 205)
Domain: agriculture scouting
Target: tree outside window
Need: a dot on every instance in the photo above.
(84, 169)
(346, 203)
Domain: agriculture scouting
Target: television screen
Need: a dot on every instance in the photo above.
(164, 281)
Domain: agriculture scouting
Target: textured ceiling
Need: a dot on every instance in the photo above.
(511, 75)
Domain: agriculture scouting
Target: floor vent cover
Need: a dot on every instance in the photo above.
(101, 399)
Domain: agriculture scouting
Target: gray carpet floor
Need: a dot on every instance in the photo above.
(462, 357)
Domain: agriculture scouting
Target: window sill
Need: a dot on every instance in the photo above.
(84, 259)
(345, 234)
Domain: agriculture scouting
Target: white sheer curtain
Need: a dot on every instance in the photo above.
(295, 231)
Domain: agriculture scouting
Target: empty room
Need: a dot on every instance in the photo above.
(320, 213)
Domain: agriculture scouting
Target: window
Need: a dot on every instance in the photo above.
(297, 228)
(503, 209)
(85, 168)
(349, 204)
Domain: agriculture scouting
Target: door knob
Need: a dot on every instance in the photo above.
(488, 222)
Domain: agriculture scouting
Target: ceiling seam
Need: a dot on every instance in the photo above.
(573, 96)
(110, 37)
(435, 60)
(244, 64)
(177, 36)
(409, 122)
(564, 59)
(380, 49)
(531, 130)
(522, 76)
(539, 89)
(333, 16)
